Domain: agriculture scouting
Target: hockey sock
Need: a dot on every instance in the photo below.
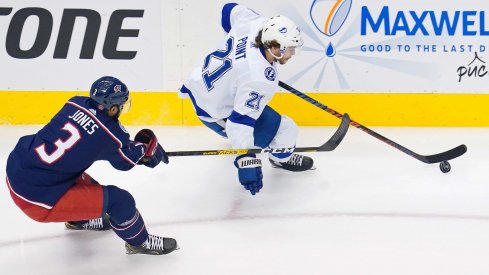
(124, 217)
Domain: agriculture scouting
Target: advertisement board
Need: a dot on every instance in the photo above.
(372, 58)
(388, 46)
(65, 45)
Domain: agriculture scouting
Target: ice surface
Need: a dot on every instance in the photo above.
(367, 209)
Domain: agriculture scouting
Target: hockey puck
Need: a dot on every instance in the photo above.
(445, 167)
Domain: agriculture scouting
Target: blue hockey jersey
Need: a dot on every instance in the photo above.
(42, 167)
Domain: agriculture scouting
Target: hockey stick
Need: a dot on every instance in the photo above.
(329, 145)
(436, 158)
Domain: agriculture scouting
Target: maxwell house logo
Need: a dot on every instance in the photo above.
(328, 17)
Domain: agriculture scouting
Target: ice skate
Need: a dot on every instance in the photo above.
(100, 224)
(154, 245)
(297, 163)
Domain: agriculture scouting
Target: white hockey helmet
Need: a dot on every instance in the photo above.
(282, 30)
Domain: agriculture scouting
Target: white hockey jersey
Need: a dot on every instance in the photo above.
(235, 82)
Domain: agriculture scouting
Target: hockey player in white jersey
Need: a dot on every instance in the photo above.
(230, 90)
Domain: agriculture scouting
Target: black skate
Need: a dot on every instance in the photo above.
(100, 224)
(154, 245)
(297, 163)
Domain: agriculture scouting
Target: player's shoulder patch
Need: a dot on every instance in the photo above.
(123, 128)
(270, 73)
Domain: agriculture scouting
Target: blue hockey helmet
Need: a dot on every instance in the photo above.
(109, 91)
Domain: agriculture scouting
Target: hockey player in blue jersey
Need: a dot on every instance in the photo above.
(231, 88)
(46, 171)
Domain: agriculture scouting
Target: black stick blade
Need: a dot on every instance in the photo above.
(338, 136)
(441, 157)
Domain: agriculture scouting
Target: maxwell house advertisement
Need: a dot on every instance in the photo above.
(391, 46)
(357, 46)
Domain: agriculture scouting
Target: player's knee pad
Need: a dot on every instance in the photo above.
(121, 205)
(286, 137)
(266, 127)
(287, 133)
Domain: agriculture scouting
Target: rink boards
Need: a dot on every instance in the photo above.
(166, 108)
(386, 63)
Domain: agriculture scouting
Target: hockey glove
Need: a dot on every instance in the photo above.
(154, 153)
(249, 172)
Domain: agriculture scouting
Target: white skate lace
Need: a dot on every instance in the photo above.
(93, 224)
(154, 243)
(295, 160)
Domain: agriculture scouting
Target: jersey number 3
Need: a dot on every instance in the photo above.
(61, 146)
(227, 64)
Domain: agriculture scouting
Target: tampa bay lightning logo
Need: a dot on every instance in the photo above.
(283, 30)
(270, 74)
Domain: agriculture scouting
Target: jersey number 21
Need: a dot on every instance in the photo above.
(227, 64)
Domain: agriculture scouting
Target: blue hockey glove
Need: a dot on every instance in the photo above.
(154, 153)
(249, 172)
